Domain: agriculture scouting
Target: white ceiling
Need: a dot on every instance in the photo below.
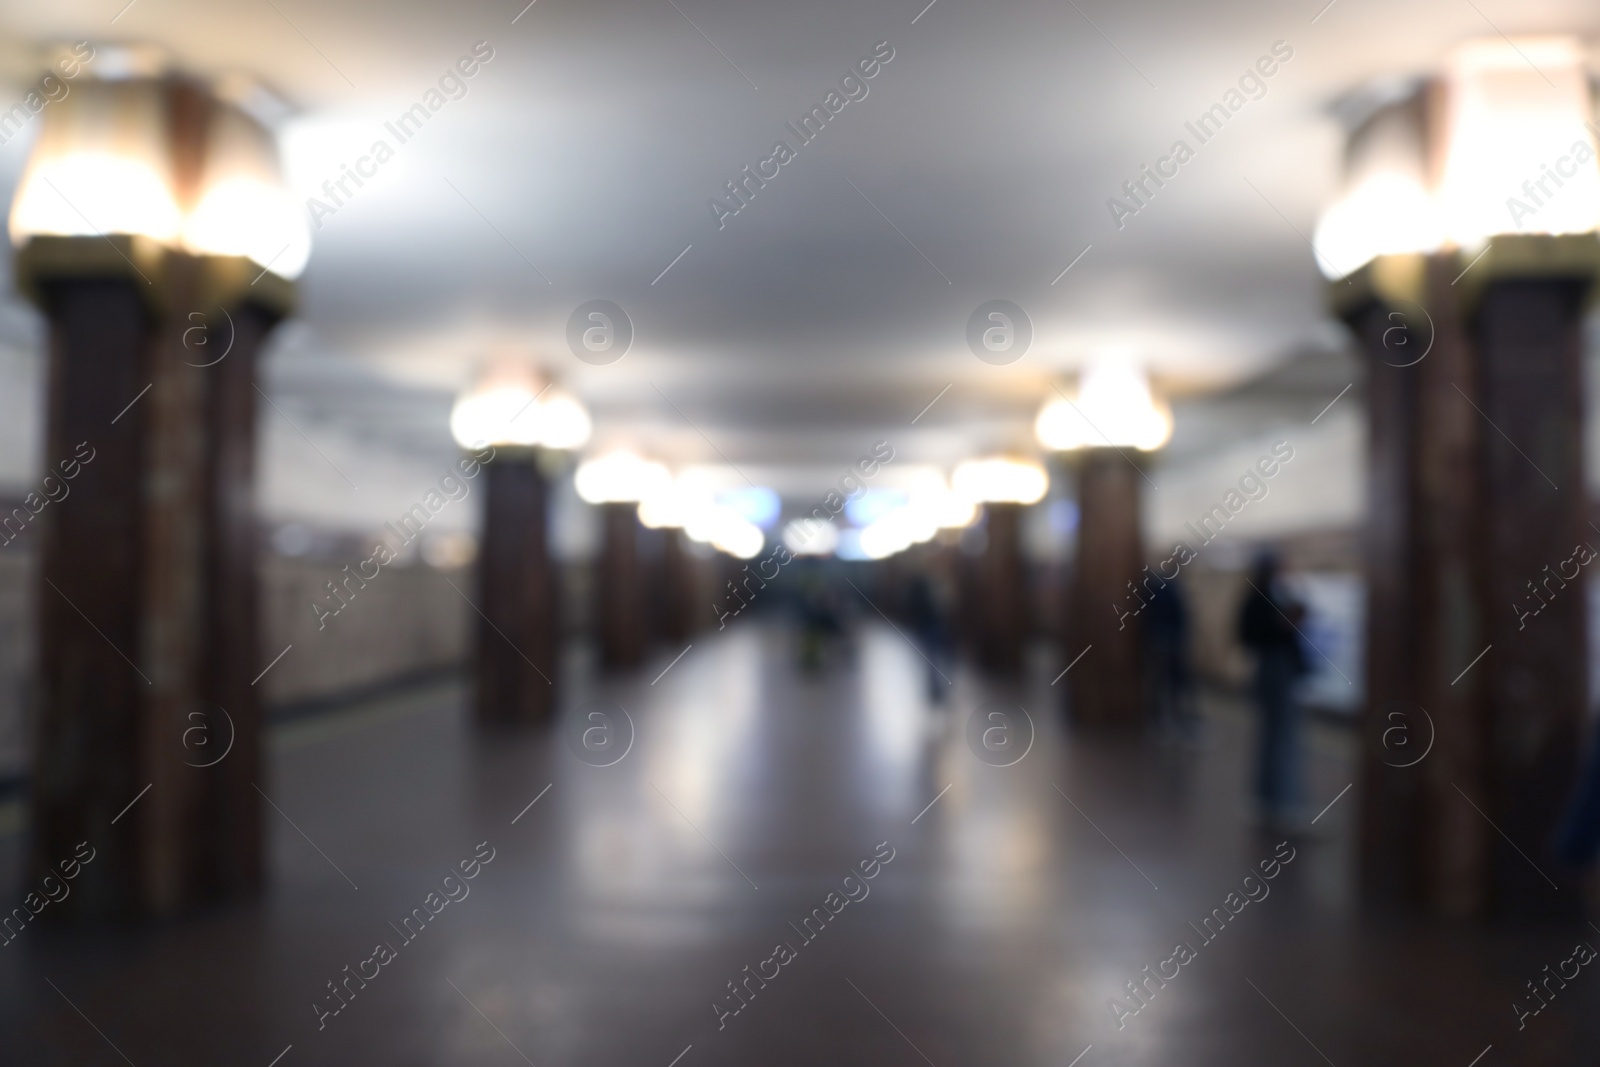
(583, 155)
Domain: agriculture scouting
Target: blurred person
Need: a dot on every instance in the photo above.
(1169, 681)
(927, 608)
(1268, 617)
(818, 612)
(1578, 839)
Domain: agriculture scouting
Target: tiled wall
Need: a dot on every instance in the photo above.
(406, 621)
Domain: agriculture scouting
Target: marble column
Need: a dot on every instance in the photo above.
(518, 647)
(233, 658)
(1527, 327)
(1000, 594)
(1105, 686)
(681, 610)
(1473, 709)
(147, 732)
(619, 588)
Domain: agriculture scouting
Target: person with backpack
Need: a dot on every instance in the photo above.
(1268, 621)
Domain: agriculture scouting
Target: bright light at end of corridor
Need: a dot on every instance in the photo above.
(689, 503)
(803, 539)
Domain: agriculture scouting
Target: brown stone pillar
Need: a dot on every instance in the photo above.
(999, 596)
(1462, 518)
(1394, 819)
(94, 675)
(1528, 335)
(518, 645)
(148, 633)
(231, 714)
(1450, 589)
(1105, 685)
(680, 597)
(619, 615)
(1422, 848)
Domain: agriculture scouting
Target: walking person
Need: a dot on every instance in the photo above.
(926, 607)
(1169, 685)
(1578, 838)
(1268, 618)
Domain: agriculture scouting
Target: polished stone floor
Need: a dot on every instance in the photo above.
(617, 908)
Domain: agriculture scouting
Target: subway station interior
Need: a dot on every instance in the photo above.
(1078, 513)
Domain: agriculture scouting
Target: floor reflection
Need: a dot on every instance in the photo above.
(628, 891)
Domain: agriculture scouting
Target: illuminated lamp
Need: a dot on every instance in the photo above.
(1114, 409)
(1001, 480)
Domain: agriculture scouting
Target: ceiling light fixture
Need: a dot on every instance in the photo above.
(1001, 480)
(115, 157)
(1114, 408)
